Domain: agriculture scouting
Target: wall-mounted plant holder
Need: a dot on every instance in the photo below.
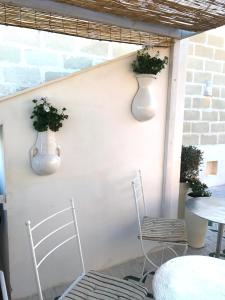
(143, 105)
(45, 154)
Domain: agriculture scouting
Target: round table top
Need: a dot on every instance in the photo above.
(191, 277)
(209, 208)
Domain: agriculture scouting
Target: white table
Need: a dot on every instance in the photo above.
(212, 209)
(190, 278)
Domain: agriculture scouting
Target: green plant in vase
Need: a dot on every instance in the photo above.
(198, 188)
(45, 116)
(147, 64)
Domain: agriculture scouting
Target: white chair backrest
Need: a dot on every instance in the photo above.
(138, 195)
(3, 290)
(35, 246)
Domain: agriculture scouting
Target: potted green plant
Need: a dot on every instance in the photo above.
(45, 155)
(198, 188)
(146, 67)
(191, 159)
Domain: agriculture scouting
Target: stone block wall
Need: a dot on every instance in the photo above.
(30, 57)
(204, 117)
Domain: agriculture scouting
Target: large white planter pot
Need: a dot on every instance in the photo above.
(45, 154)
(143, 105)
(196, 229)
(182, 197)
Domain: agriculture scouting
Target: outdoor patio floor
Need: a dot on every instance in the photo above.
(134, 267)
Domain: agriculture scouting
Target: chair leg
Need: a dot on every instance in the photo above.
(143, 268)
(150, 295)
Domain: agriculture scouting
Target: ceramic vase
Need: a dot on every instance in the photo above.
(45, 154)
(143, 105)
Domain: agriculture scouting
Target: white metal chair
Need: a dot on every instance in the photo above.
(168, 232)
(91, 285)
(3, 291)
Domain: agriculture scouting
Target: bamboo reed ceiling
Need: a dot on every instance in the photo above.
(185, 15)
(191, 15)
(40, 20)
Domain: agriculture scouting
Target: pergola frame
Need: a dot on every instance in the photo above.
(73, 11)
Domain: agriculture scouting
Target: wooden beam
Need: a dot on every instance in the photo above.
(51, 6)
(174, 129)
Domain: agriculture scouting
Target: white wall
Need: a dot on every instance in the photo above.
(102, 146)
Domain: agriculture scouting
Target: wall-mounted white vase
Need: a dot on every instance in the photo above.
(45, 154)
(143, 105)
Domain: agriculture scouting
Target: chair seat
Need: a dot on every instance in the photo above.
(164, 230)
(98, 286)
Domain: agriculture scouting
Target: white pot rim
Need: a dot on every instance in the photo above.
(146, 76)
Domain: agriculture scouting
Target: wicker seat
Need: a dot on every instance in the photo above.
(163, 230)
(169, 233)
(96, 285)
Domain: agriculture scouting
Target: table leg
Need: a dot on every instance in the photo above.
(219, 240)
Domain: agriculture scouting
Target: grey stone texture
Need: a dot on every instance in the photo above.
(22, 37)
(187, 103)
(222, 92)
(195, 63)
(213, 66)
(186, 127)
(222, 115)
(193, 89)
(54, 75)
(22, 76)
(203, 51)
(189, 76)
(204, 116)
(39, 57)
(200, 127)
(220, 55)
(219, 79)
(190, 49)
(191, 115)
(221, 139)
(201, 103)
(10, 54)
(217, 41)
(216, 92)
(218, 127)
(77, 63)
(208, 139)
(210, 115)
(200, 77)
(29, 57)
(199, 38)
(190, 139)
(218, 104)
